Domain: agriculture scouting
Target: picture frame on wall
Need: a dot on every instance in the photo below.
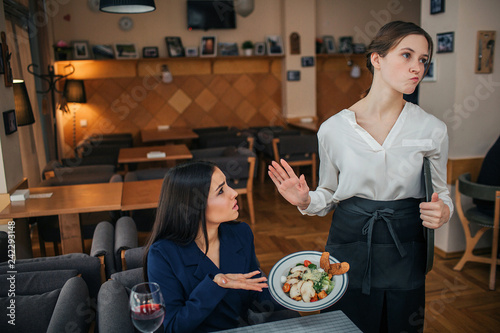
(192, 51)
(174, 47)
(445, 42)
(125, 51)
(437, 6)
(345, 44)
(228, 49)
(80, 49)
(260, 48)
(329, 43)
(485, 49)
(150, 52)
(430, 76)
(9, 121)
(2, 70)
(103, 52)
(208, 46)
(274, 45)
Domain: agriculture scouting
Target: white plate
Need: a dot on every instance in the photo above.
(282, 267)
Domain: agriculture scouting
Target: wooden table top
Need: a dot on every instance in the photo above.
(171, 134)
(142, 194)
(68, 199)
(304, 123)
(139, 154)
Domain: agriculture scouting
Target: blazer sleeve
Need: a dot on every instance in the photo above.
(182, 315)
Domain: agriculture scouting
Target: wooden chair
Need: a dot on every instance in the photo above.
(464, 186)
(298, 150)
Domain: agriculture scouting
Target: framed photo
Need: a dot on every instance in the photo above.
(9, 121)
(329, 44)
(345, 44)
(293, 76)
(445, 42)
(125, 51)
(485, 49)
(150, 52)
(174, 47)
(228, 49)
(307, 61)
(431, 73)
(274, 45)
(2, 69)
(260, 48)
(208, 46)
(437, 6)
(81, 50)
(103, 52)
(192, 51)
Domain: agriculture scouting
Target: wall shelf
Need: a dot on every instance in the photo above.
(115, 68)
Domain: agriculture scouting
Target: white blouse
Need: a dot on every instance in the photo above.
(353, 163)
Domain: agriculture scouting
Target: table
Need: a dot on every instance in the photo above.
(143, 194)
(312, 126)
(171, 134)
(67, 202)
(139, 154)
(334, 321)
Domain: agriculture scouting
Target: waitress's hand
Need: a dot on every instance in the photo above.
(241, 281)
(435, 213)
(292, 188)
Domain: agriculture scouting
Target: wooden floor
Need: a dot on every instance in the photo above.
(455, 301)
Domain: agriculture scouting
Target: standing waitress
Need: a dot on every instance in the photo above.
(371, 158)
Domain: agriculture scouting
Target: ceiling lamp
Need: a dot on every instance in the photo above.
(127, 6)
(243, 7)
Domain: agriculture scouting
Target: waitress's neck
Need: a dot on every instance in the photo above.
(383, 99)
(213, 237)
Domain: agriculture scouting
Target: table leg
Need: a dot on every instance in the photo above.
(71, 235)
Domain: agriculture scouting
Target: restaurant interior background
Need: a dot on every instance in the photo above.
(229, 95)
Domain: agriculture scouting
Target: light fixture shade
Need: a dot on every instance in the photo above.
(24, 113)
(243, 7)
(127, 6)
(74, 91)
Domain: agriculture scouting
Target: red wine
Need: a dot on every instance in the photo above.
(148, 317)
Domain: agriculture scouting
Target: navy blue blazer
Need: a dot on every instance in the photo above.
(193, 302)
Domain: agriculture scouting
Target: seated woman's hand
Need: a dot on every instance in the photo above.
(241, 281)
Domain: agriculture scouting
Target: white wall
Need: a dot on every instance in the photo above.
(11, 172)
(467, 102)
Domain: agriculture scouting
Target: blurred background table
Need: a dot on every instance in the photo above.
(140, 154)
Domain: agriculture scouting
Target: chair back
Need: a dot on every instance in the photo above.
(132, 258)
(295, 147)
(145, 174)
(475, 190)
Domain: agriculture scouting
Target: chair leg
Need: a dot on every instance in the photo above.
(470, 244)
(56, 248)
(250, 207)
(41, 243)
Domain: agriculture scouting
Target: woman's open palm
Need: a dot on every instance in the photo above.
(291, 187)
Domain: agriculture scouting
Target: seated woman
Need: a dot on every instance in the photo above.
(204, 262)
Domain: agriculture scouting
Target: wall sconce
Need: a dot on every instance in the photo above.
(127, 6)
(74, 92)
(24, 112)
(243, 7)
(355, 69)
(166, 76)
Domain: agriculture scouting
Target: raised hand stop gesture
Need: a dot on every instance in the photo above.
(291, 187)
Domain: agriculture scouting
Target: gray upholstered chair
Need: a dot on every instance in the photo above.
(46, 301)
(473, 218)
(113, 310)
(238, 164)
(132, 258)
(89, 267)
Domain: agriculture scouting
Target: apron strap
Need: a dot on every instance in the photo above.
(385, 215)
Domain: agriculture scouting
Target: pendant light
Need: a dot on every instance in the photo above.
(127, 6)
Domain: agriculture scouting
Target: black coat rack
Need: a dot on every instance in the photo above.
(51, 78)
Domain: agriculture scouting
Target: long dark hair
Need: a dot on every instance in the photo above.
(182, 205)
(389, 36)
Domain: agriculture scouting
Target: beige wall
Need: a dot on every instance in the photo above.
(361, 18)
(467, 102)
(10, 155)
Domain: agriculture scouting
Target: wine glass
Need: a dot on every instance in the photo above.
(147, 308)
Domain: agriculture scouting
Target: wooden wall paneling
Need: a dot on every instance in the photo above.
(97, 69)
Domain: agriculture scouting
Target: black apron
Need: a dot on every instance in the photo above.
(383, 242)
